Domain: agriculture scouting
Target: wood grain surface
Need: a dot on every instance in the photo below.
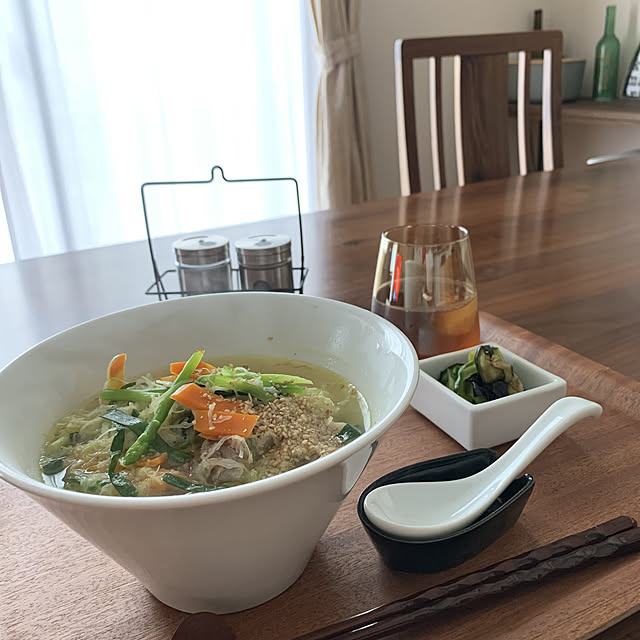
(554, 252)
(56, 585)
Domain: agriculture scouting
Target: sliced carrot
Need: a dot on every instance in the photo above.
(170, 378)
(214, 424)
(202, 369)
(194, 397)
(115, 371)
(156, 461)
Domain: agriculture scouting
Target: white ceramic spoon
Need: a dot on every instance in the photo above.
(425, 510)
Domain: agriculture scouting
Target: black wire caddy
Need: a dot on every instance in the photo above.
(163, 292)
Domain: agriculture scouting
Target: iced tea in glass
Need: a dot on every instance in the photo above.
(425, 285)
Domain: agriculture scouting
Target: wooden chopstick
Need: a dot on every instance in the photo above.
(619, 544)
(614, 537)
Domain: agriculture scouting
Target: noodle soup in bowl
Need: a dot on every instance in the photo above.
(261, 533)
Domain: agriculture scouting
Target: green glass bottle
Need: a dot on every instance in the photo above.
(605, 74)
(537, 26)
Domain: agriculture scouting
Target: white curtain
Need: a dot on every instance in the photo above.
(343, 155)
(99, 97)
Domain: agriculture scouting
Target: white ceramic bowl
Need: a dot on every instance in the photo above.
(490, 423)
(262, 533)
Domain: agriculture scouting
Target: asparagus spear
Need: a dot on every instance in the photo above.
(241, 380)
(140, 446)
(125, 395)
(138, 426)
(283, 378)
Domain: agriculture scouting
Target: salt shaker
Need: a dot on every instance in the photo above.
(203, 264)
(265, 262)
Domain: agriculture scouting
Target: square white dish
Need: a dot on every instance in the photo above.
(490, 423)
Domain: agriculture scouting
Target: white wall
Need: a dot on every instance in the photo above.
(582, 21)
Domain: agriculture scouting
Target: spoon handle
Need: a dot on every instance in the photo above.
(555, 420)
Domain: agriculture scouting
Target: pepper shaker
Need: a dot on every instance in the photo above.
(264, 262)
(203, 264)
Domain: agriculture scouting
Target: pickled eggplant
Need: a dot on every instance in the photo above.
(484, 377)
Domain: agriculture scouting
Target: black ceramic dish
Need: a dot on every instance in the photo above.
(438, 554)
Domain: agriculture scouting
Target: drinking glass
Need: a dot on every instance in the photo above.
(425, 285)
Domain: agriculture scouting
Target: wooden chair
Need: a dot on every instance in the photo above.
(481, 109)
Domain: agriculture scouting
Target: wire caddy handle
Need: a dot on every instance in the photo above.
(158, 288)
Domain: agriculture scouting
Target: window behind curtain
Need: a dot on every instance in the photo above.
(101, 97)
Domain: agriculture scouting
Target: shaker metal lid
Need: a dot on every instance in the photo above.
(201, 250)
(200, 243)
(266, 249)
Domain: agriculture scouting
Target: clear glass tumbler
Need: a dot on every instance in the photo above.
(425, 285)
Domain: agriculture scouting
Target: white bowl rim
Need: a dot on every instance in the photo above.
(552, 380)
(24, 482)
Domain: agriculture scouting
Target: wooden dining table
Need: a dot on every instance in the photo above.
(556, 254)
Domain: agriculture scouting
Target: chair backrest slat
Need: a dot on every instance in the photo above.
(481, 109)
(457, 118)
(435, 119)
(525, 159)
(406, 122)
